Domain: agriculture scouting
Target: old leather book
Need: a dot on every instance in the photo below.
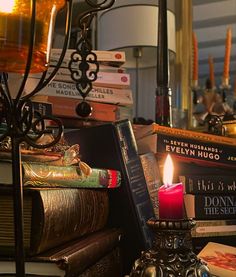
(52, 217)
(96, 254)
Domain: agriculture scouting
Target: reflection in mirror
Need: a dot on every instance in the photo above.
(214, 62)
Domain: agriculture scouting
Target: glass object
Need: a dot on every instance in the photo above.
(15, 31)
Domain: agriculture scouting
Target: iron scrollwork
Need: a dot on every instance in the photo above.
(83, 65)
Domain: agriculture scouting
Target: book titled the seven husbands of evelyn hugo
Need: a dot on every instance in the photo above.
(113, 145)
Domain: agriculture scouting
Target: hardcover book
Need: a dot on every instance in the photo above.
(220, 258)
(210, 206)
(52, 217)
(208, 184)
(66, 107)
(214, 228)
(39, 174)
(117, 96)
(76, 258)
(187, 146)
(114, 145)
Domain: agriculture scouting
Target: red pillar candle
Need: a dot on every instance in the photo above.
(170, 195)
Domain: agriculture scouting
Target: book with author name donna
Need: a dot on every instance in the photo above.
(210, 206)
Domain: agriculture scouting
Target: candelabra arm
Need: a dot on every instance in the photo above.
(44, 82)
(30, 52)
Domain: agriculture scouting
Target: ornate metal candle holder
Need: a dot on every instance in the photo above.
(171, 255)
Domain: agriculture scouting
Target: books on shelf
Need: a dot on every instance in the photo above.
(41, 174)
(113, 58)
(110, 95)
(76, 258)
(52, 217)
(210, 206)
(220, 259)
(110, 99)
(208, 184)
(113, 144)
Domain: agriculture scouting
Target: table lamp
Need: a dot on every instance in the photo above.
(135, 31)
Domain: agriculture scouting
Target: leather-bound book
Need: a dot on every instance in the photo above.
(52, 217)
(96, 254)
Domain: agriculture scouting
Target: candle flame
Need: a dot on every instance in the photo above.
(168, 171)
(7, 6)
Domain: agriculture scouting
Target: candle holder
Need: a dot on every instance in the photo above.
(172, 254)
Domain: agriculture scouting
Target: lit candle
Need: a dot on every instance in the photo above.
(170, 195)
(195, 61)
(227, 56)
(211, 70)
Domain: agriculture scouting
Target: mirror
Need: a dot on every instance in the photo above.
(214, 27)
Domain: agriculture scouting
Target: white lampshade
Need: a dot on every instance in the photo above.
(129, 26)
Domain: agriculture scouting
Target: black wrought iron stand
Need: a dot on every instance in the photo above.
(23, 126)
(163, 91)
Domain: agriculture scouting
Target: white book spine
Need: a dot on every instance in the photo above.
(100, 94)
(109, 79)
(102, 55)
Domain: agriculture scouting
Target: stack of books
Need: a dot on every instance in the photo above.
(110, 98)
(205, 164)
(66, 230)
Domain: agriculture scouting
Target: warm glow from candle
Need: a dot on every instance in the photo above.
(168, 171)
(7, 6)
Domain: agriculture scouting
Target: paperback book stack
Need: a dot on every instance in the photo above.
(205, 164)
(66, 208)
(111, 97)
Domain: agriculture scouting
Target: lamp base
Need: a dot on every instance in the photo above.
(171, 255)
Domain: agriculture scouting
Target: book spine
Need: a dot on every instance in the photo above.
(190, 150)
(196, 136)
(209, 184)
(66, 214)
(210, 206)
(109, 265)
(152, 177)
(107, 79)
(99, 94)
(66, 107)
(53, 217)
(113, 57)
(214, 228)
(44, 175)
(42, 107)
(137, 187)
